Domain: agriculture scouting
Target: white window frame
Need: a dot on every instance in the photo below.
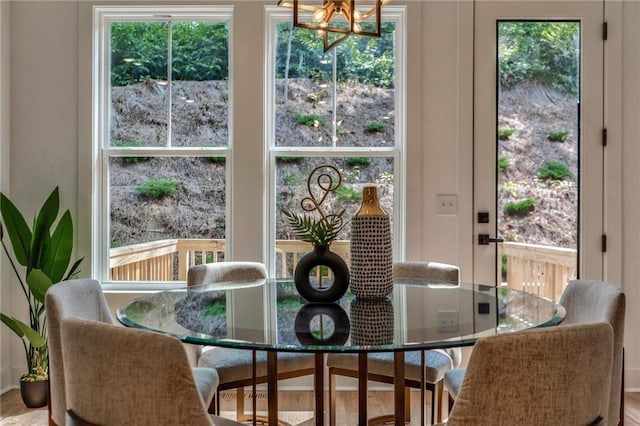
(103, 16)
(396, 14)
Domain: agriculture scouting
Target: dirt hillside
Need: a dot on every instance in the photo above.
(200, 109)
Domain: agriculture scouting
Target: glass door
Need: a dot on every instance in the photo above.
(538, 111)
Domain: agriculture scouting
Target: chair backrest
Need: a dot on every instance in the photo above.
(80, 298)
(595, 301)
(441, 272)
(209, 273)
(548, 376)
(122, 376)
(437, 272)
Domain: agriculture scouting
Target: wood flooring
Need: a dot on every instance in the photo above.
(296, 407)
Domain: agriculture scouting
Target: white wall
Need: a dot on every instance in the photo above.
(50, 112)
(631, 189)
(5, 293)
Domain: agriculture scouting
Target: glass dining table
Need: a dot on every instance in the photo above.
(269, 315)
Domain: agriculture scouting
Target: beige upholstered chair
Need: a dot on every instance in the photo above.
(585, 302)
(380, 365)
(593, 301)
(83, 298)
(549, 376)
(122, 376)
(234, 366)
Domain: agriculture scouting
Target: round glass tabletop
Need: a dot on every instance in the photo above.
(271, 315)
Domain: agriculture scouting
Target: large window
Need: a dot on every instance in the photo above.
(343, 108)
(162, 90)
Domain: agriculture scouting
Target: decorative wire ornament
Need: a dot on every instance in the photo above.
(327, 181)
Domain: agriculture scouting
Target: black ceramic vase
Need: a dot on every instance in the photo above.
(321, 256)
(35, 394)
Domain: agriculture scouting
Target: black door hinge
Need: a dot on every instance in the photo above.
(605, 31)
(604, 243)
(604, 137)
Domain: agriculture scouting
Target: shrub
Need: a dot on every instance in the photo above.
(348, 193)
(134, 144)
(503, 267)
(310, 120)
(158, 188)
(504, 134)
(503, 164)
(558, 135)
(289, 178)
(217, 160)
(374, 127)
(554, 170)
(358, 161)
(519, 208)
(288, 159)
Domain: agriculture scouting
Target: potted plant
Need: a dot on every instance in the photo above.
(319, 228)
(44, 252)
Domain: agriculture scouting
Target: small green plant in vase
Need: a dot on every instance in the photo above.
(44, 254)
(319, 228)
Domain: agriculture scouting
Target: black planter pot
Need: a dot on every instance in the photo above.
(34, 394)
(321, 256)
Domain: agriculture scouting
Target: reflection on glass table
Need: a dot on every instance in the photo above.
(270, 315)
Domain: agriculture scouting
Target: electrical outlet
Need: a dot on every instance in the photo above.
(447, 204)
(447, 321)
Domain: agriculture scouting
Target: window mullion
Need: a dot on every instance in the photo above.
(169, 81)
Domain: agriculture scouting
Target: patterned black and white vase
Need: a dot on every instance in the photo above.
(371, 322)
(371, 250)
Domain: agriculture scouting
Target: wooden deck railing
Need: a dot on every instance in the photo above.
(169, 260)
(542, 270)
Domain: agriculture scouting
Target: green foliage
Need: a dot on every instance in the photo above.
(503, 164)
(215, 309)
(318, 232)
(348, 193)
(289, 178)
(217, 160)
(558, 135)
(139, 50)
(310, 120)
(503, 266)
(288, 159)
(158, 188)
(358, 161)
(374, 127)
(519, 208)
(46, 255)
(510, 187)
(504, 134)
(368, 60)
(554, 170)
(134, 144)
(545, 52)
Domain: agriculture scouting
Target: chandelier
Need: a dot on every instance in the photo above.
(336, 19)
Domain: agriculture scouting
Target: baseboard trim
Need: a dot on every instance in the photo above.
(632, 379)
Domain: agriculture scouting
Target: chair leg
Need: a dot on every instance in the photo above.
(621, 422)
(433, 406)
(240, 403)
(214, 406)
(332, 399)
(439, 391)
(407, 404)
